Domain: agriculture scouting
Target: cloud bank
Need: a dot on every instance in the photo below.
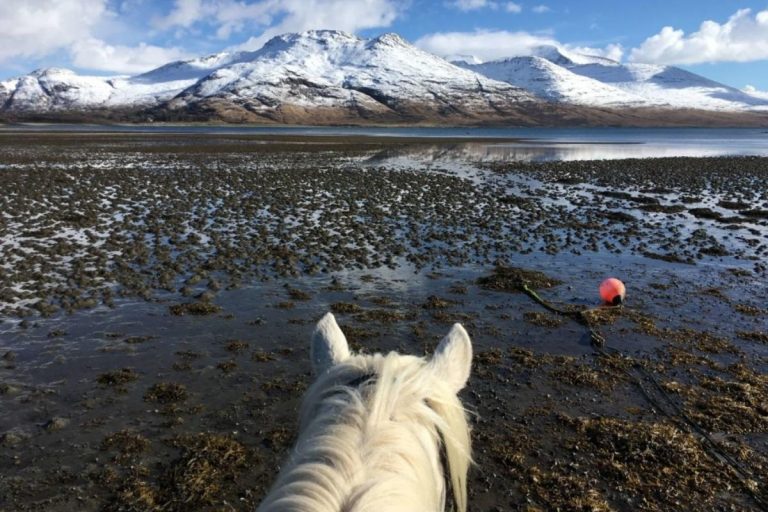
(743, 38)
(497, 44)
(96, 54)
(40, 28)
(92, 35)
(37, 28)
(274, 17)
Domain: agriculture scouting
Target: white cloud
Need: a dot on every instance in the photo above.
(346, 15)
(613, 51)
(95, 54)
(35, 28)
(498, 44)
(228, 15)
(753, 91)
(38, 28)
(742, 38)
(484, 44)
(541, 9)
(184, 14)
(472, 5)
(273, 17)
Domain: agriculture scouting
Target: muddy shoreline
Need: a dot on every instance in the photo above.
(157, 295)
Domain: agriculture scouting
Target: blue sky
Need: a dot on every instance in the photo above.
(721, 39)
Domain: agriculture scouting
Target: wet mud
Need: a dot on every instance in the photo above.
(157, 294)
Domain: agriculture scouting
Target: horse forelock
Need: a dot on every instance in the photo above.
(370, 435)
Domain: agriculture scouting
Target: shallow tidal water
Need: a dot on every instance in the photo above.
(111, 401)
(498, 144)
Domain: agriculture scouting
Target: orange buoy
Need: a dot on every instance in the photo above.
(612, 291)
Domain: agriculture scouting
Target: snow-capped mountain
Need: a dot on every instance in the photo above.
(755, 92)
(338, 74)
(328, 77)
(192, 69)
(566, 58)
(559, 75)
(57, 90)
(547, 80)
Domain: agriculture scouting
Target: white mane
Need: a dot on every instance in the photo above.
(372, 429)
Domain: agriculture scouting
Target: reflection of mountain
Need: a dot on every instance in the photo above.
(534, 152)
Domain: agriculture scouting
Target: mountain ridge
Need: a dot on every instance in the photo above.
(571, 77)
(333, 77)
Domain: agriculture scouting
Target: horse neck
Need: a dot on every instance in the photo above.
(356, 456)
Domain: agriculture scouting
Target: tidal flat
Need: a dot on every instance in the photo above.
(158, 292)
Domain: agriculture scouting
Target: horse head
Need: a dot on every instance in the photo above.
(379, 432)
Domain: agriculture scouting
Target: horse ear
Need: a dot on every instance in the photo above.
(452, 360)
(329, 346)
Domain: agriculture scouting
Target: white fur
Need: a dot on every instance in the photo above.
(328, 346)
(376, 447)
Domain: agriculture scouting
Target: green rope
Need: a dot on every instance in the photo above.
(580, 315)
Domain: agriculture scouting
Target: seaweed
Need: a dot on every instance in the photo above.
(194, 308)
(345, 308)
(514, 279)
(117, 377)
(166, 393)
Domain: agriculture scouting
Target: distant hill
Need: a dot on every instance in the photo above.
(332, 77)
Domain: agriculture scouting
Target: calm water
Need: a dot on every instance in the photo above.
(531, 144)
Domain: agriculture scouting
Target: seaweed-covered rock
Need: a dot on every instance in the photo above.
(513, 279)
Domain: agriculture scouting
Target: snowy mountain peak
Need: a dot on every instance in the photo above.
(560, 75)
(53, 71)
(191, 68)
(460, 59)
(331, 76)
(390, 39)
(382, 76)
(327, 37)
(563, 57)
(553, 82)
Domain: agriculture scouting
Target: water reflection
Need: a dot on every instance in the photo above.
(569, 151)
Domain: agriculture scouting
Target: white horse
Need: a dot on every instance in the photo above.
(378, 432)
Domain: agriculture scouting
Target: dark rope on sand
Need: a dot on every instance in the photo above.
(580, 315)
(678, 415)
